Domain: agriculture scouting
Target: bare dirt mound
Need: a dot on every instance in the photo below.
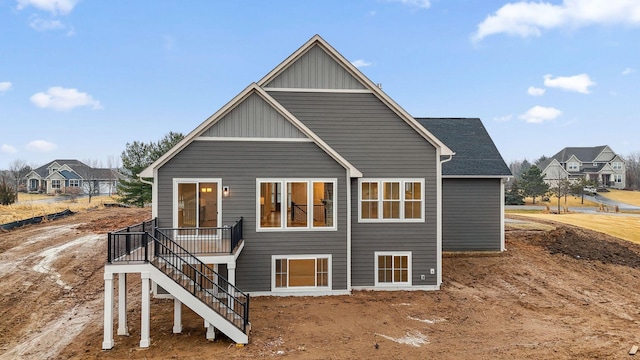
(562, 294)
(50, 281)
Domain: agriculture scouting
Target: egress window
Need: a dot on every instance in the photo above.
(301, 272)
(393, 268)
(391, 200)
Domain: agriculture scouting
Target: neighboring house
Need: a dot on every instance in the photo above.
(599, 164)
(55, 176)
(473, 186)
(311, 181)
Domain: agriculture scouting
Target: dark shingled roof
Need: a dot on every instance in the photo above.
(584, 154)
(476, 154)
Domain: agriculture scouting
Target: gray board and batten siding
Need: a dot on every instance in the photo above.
(254, 118)
(381, 145)
(239, 164)
(315, 69)
(471, 218)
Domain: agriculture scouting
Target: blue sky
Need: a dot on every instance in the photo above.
(79, 79)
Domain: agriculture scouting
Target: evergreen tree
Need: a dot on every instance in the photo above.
(137, 157)
(533, 184)
(514, 196)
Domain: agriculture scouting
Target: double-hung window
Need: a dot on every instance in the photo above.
(74, 183)
(617, 165)
(296, 204)
(391, 200)
(573, 166)
(55, 184)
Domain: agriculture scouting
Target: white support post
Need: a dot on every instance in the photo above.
(231, 277)
(145, 340)
(107, 342)
(216, 281)
(123, 328)
(211, 331)
(177, 316)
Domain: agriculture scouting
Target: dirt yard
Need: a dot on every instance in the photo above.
(563, 294)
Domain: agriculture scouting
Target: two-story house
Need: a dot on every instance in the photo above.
(311, 181)
(599, 164)
(57, 175)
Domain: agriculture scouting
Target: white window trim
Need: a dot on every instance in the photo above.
(283, 212)
(392, 253)
(74, 181)
(56, 181)
(301, 257)
(572, 166)
(402, 182)
(176, 181)
(616, 165)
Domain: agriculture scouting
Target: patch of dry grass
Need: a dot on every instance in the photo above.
(529, 226)
(31, 197)
(21, 211)
(571, 201)
(621, 226)
(623, 196)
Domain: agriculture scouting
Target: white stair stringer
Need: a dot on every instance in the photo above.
(204, 311)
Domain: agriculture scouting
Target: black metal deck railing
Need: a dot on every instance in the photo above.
(145, 243)
(211, 240)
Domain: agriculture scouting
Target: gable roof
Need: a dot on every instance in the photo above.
(475, 153)
(220, 114)
(584, 154)
(78, 169)
(43, 171)
(318, 41)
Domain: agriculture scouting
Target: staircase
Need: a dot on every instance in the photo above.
(184, 276)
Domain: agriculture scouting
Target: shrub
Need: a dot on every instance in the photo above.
(8, 194)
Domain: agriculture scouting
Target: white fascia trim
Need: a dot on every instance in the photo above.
(154, 195)
(477, 176)
(308, 90)
(503, 247)
(397, 288)
(438, 219)
(348, 185)
(198, 130)
(300, 293)
(305, 130)
(253, 88)
(251, 139)
(364, 81)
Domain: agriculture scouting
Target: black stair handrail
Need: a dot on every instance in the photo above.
(144, 243)
(202, 284)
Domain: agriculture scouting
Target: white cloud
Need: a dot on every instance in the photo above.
(534, 91)
(578, 83)
(8, 149)
(59, 98)
(55, 7)
(361, 63)
(628, 71)
(4, 86)
(40, 24)
(41, 146)
(504, 118)
(540, 114)
(531, 18)
(424, 4)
